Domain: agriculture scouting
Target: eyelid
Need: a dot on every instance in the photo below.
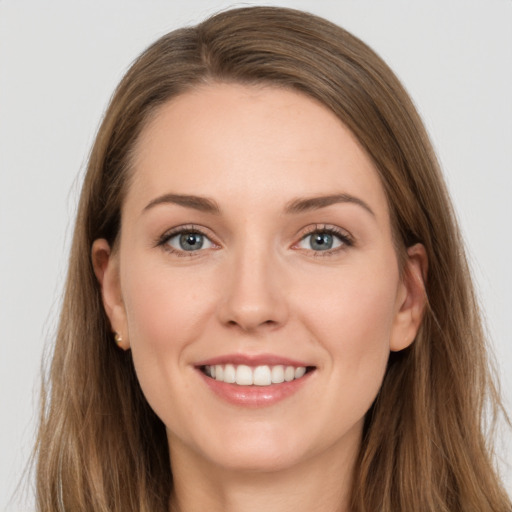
(162, 240)
(345, 237)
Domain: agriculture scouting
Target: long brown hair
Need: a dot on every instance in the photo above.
(101, 447)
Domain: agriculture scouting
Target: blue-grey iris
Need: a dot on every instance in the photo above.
(321, 241)
(191, 241)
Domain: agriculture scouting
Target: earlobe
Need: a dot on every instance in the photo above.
(413, 299)
(106, 269)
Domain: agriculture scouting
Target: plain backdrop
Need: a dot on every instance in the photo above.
(59, 63)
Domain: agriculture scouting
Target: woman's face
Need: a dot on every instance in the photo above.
(255, 245)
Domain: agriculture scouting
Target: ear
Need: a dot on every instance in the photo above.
(411, 299)
(106, 267)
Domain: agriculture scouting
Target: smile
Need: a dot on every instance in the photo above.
(263, 375)
(254, 380)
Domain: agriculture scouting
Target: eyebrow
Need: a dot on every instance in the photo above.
(305, 204)
(202, 204)
(299, 205)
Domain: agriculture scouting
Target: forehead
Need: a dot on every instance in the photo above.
(239, 142)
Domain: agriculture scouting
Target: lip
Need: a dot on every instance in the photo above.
(254, 396)
(252, 360)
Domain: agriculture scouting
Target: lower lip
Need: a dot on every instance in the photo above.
(255, 396)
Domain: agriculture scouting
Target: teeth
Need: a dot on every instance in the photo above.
(229, 374)
(299, 372)
(244, 375)
(277, 374)
(289, 373)
(262, 376)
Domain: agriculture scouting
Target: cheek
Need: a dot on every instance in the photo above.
(352, 317)
(164, 308)
(354, 303)
(166, 311)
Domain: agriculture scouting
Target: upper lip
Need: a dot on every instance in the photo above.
(252, 360)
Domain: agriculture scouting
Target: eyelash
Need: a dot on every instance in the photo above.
(343, 236)
(163, 240)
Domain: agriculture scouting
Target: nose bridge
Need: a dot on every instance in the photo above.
(253, 295)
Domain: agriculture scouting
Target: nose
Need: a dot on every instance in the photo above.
(253, 294)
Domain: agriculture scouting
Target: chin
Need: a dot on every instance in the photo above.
(254, 447)
(257, 458)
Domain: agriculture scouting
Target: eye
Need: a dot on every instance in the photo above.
(323, 240)
(186, 241)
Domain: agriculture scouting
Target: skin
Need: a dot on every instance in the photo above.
(258, 287)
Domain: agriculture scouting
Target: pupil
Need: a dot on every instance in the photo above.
(322, 241)
(191, 241)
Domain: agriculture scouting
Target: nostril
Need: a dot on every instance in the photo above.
(252, 301)
(248, 325)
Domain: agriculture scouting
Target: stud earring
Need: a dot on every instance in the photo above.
(118, 339)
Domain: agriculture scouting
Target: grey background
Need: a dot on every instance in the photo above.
(59, 63)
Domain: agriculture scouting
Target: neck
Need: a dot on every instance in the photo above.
(322, 483)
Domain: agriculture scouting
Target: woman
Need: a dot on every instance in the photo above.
(267, 303)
